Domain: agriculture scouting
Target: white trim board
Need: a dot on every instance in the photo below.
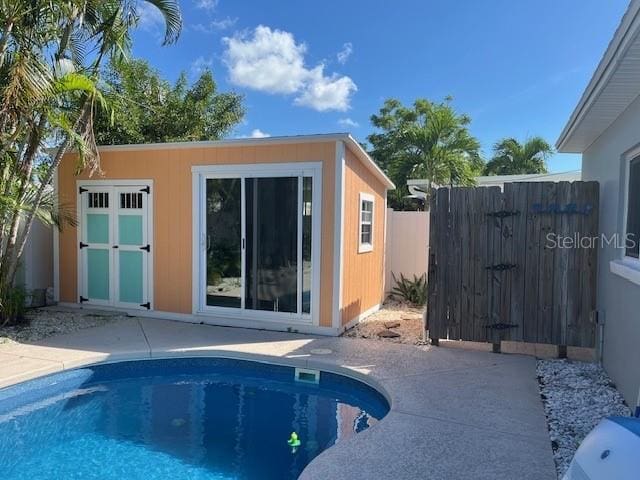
(627, 158)
(354, 321)
(215, 320)
(338, 235)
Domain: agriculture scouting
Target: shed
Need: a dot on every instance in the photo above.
(281, 233)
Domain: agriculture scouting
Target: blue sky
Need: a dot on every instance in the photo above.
(516, 67)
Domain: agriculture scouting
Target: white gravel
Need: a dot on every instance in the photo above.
(47, 321)
(576, 396)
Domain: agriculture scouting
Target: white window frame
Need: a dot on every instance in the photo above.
(626, 266)
(366, 197)
(200, 174)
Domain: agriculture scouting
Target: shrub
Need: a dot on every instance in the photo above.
(412, 291)
(12, 305)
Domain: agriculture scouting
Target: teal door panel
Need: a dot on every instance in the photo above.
(130, 229)
(131, 276)
(97, 228)
(98, 274)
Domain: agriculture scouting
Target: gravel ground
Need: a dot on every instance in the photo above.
(576, 396)
(410, 327)
(44, 322)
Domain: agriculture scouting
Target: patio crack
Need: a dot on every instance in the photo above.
(485, 428)
(144, 334)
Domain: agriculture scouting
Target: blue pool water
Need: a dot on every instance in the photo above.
(197, 419)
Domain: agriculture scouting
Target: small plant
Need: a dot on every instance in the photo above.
(12, 305)
(412, 291)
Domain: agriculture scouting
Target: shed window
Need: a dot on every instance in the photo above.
(98, 200)
(633, 210)
(365, 243)
(130, 200)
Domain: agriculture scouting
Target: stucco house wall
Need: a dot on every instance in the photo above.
(618, 298)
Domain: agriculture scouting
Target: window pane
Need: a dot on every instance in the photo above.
(223, 230)
(633, 209)
(367, 217)
(307, 196)
(366, 234)
(367, 205)
(272, 244)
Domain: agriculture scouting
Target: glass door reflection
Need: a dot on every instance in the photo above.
(224, 242)
(271, 268)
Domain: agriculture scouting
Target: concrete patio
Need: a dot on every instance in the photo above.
(454, 413)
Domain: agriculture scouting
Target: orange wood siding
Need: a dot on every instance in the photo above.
(363, 273)
(170, 170)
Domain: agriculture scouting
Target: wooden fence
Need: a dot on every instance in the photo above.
(516, 265)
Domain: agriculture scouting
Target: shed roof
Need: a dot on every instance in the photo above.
(614, 86)
(349, 141)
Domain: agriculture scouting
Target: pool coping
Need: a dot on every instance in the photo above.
(401, 444)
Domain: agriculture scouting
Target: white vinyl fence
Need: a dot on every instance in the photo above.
(406, 245)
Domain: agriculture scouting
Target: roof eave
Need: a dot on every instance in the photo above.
(370, 163)
(625, 33)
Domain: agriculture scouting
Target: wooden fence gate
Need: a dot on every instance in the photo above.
(515, 265)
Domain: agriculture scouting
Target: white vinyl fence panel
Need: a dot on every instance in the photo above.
(406, 245)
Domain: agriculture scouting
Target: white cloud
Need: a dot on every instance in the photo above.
(216, 25)
(268, 61)
(344, 54)
(207, 4)
(326, 93)
(271, 61)
(201, 64)
(347, 122)
(255, 133)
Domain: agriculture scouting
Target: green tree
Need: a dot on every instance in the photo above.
(51, 52)
(428, 140)
(510, 157)
(145, 108)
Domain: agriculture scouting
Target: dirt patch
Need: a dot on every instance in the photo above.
(393, 319)
(44, 322)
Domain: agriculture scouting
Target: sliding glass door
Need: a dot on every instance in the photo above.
(259, 243)
(224, 242)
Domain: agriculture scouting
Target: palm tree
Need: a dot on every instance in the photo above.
(430, 141)
(510, 157)
(51, 52)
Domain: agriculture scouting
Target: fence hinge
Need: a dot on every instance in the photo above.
(146, 305)
(503, 213)
(81, 190)
(146, 189)
(501, 326)
(82, 299)
(82, 245)
(500, 267)
(147, 247)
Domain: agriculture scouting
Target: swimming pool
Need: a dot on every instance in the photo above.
(196, 418)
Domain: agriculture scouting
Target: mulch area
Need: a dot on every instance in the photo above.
(396, 322)
(44, 322)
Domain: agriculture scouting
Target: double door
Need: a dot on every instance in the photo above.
(115, 246)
